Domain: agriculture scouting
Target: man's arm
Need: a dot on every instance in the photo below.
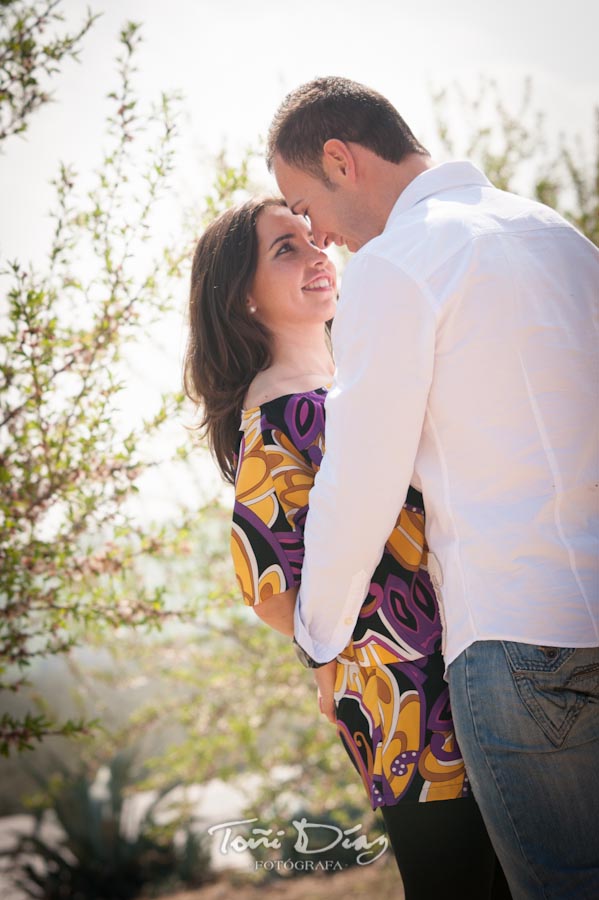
(384, 342)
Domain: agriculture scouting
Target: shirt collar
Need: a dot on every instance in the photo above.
(432, 181)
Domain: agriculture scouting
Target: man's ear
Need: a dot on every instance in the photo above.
(338, 161)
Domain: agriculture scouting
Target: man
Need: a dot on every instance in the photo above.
(466, 351)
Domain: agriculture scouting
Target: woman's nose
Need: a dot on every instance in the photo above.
(318, 256)
(321, 258)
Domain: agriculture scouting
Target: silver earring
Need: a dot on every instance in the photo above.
(252, 309)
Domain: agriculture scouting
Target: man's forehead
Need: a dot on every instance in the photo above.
(293, 182)
(281, 166)
(287, 172)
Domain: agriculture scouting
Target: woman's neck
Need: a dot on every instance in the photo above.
(302, 353)
(301, 363)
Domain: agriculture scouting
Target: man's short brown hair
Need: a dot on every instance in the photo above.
(334, 107)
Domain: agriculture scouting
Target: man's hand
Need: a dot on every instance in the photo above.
(325, 681)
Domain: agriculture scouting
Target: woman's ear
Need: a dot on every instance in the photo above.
(250, 306)
(338, 161)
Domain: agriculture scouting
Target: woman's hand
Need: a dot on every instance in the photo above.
(277, 612)
(325, 681)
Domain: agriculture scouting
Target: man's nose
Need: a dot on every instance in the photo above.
(321, 238)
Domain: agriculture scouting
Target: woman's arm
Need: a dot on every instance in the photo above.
(277, 611)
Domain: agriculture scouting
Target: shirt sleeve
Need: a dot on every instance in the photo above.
(384, 339)
(271, 498)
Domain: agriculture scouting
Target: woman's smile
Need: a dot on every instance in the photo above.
(320, 283)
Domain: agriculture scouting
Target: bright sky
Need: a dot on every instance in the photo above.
(234, 60)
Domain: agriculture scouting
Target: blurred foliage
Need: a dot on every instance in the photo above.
(230, 184)
(107, 851)
(72, 556)
(30, 57)
(511, 147)
(229, 702)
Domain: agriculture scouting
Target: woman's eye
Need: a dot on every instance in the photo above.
(284, 248)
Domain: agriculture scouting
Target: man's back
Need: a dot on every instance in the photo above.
(508, 455)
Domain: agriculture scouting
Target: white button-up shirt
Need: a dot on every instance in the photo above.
(466, 351)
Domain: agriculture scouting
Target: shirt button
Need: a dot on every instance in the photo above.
(348, 620)
(434, 570)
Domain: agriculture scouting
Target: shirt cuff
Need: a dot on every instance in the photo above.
(319, 651)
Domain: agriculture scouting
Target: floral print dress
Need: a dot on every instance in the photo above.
(393, 713)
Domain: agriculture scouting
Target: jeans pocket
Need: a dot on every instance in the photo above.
(554, 684)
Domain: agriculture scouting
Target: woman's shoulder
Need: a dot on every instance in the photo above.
(266, 390)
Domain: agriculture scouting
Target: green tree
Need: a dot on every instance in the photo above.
(29, 58)
(74, 558)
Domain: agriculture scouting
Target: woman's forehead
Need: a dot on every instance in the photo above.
(274, 218)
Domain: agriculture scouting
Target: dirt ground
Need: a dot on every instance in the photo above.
(379, 880)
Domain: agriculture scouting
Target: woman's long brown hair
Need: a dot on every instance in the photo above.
(226, 346)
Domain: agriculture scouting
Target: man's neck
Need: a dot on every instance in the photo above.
(391, 179)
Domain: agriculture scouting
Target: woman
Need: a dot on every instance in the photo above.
(258, 363)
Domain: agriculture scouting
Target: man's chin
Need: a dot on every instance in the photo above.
(352, 245)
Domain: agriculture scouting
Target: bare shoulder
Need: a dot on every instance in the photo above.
(263, 388)
(270, 384)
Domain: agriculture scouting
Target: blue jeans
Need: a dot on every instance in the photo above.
(527, 722)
